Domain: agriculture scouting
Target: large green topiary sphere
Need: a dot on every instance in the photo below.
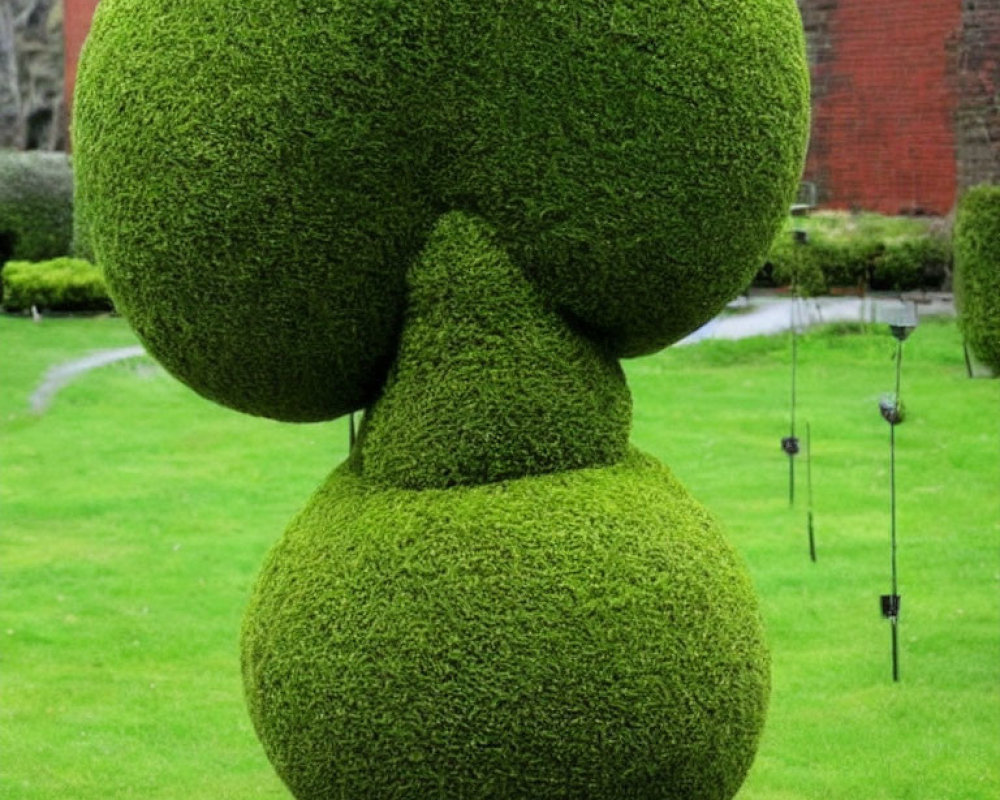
(977, 271)
(584, 634)
(257, 177)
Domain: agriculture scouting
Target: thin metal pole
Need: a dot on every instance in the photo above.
(351, 435)
(894, 619)
(795, 359)
(968, 361)
(809, 489)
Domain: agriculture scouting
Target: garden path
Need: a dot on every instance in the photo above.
(63, 374)
(768, 314)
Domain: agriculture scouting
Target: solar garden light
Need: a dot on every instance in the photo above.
(901, 325)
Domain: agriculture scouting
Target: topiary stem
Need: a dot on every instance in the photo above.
(489, 383)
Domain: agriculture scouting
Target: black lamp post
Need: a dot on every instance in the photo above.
(891, 409)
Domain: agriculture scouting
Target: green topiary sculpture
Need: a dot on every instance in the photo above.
(458, 216)
(977, 271)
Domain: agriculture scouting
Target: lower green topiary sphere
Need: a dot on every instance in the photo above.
(582, 634)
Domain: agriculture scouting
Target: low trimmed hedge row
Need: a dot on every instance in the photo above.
(36, 205)
(60, 284)
(864, 251)
(977, 272)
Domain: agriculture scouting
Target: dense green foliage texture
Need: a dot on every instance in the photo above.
(489, 383)
(581, 634)
(258, 177)
(863, 251)
(494, 597)
(458, 216)
(977, 271)
(36, 205)
(59, 284)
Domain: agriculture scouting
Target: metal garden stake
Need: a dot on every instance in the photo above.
(891, 408)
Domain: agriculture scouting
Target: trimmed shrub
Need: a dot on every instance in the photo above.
(459, 215)
(514, 603)
(977, 272)
(256, 215)
(582, 634)
(919, 263)
(61, 284)
(36, 205)
(867, 251)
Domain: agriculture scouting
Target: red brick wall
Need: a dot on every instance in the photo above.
(885, 98)
(76, 23)
(883, 130)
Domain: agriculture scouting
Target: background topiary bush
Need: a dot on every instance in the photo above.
(36, 205)
(60, 284)
(459, 215)
(977, 271)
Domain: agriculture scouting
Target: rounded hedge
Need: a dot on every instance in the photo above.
(36, 205)
(977, 271)
(59, 284)
(258, 178)
(583, 634)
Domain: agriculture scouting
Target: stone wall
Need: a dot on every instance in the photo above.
(32, 111)
(978, 114)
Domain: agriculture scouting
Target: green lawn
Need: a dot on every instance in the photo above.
(135, 515)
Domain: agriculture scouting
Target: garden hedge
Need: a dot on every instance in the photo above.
(864, 251)
(36, 205)
(60, 284)
(977, 271)
(458, 215)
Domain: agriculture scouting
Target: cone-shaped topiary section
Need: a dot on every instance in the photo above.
(489, 383)
(257, 178)
(578, 635)
(977, 271)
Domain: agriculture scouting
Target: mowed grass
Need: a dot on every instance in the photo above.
(134, 516)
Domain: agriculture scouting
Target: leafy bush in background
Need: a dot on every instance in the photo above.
(866, 251)
(60, 284)
(36, 205)
(977, 271)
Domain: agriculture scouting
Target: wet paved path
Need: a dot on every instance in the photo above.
(63, 374)
(767, 314)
